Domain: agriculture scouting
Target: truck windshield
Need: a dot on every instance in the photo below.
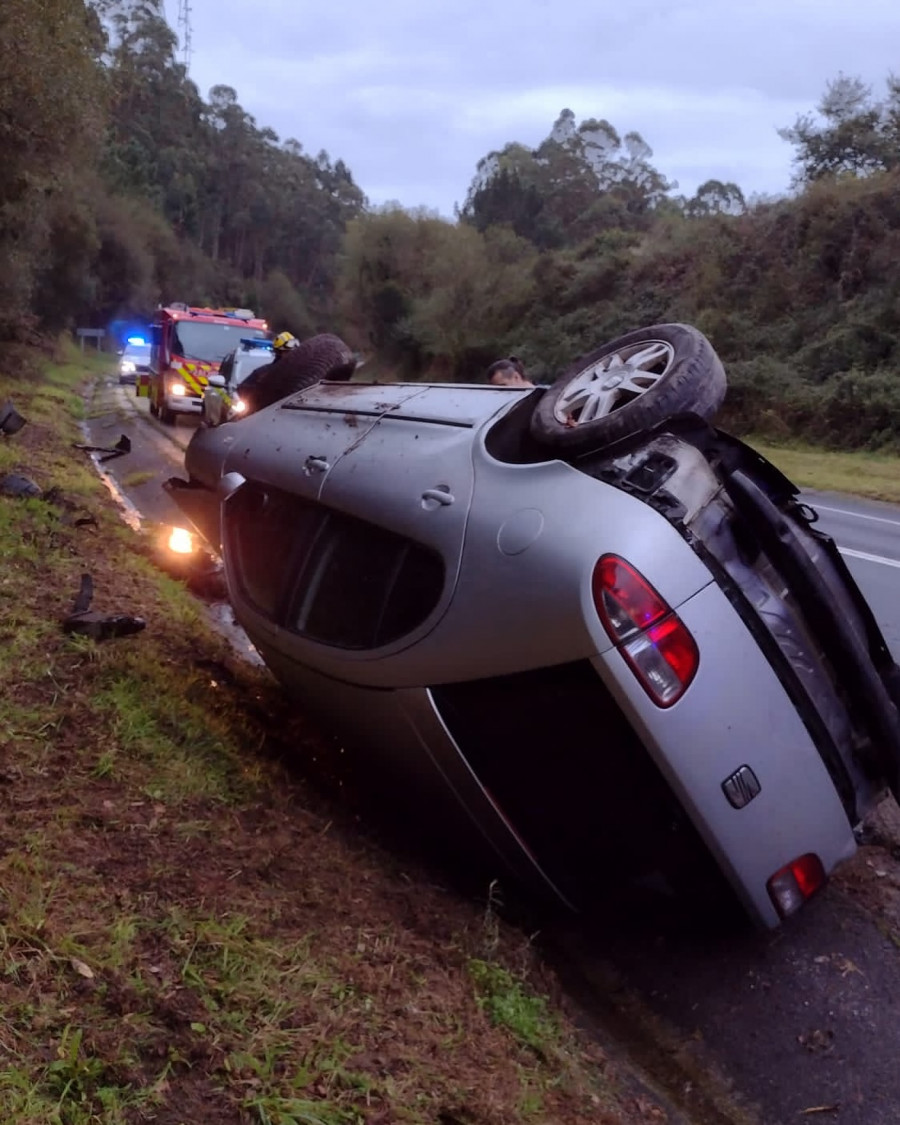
(210, 342)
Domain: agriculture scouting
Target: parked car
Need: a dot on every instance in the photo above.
(221, 399)
(586, 624)
(133, 359)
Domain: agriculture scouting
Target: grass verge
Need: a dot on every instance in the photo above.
(192, 925)
(872, 475)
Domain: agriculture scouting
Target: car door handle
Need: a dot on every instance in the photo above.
(438, 496)
(317, 464)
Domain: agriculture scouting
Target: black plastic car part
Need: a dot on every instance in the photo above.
(860, 663)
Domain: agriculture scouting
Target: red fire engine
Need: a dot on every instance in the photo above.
(187, 346)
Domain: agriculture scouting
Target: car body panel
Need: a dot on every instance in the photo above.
(727, 720)
(410, 739)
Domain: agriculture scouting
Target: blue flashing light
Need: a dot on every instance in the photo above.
(256, 342)
(136, 340)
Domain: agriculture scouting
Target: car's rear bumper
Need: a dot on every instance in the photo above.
(737, 714)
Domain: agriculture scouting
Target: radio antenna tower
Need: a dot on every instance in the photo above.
(184, 32)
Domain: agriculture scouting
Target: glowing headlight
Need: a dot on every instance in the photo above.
(126, 367)
(177, 389)
(181, 542)
(238, 406)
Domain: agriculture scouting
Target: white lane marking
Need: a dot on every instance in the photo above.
(869, 558)
(856, 515)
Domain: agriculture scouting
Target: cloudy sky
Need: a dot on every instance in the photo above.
(412, 93)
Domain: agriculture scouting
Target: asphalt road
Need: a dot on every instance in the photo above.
(798, 1025)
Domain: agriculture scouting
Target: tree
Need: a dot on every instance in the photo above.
(851, 135)
(716, 198)
(51, 115)
(423, 290)
(579, 180)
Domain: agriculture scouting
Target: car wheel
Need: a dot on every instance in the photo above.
(628, 386)
(320, 357)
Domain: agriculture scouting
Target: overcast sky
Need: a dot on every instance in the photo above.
(412, 93)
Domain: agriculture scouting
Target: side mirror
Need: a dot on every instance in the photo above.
(216, 380)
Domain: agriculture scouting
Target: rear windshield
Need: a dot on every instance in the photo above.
(139, 352)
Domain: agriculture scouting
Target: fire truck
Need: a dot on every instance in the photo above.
(187, 345)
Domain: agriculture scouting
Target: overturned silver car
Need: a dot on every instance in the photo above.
(596, 630)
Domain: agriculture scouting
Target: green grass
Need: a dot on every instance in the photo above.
(872, 475)
(510, 1004)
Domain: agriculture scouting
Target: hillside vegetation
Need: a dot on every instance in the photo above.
(122, 186)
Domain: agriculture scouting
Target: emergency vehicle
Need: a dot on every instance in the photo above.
(187, 346)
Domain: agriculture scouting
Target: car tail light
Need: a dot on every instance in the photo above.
(796, 882)
(650, 635)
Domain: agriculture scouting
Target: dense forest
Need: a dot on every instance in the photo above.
(122, 187)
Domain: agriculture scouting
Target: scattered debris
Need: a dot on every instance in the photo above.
(122, 446)
(72, 514)
(11, 421)
(99, 626)
(15, 485)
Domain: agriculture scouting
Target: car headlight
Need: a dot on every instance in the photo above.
(238, 406)
(177, 389)
(127, 367)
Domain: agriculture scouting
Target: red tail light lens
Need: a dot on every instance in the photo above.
(650, 635)
(796, 882)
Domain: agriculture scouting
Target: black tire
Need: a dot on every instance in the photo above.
(167, 417)
(154, 409)
(686, 377)
(320, 357)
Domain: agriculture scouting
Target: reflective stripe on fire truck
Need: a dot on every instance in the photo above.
(142, 385)
(194, 376)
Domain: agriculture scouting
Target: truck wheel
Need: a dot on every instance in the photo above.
(166, 416)
(628, 386)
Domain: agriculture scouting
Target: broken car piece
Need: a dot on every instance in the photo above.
(122, 446)
(99, 626)
(11, 421)
(15, 485)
